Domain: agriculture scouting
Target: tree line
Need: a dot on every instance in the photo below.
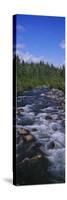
(29, 75)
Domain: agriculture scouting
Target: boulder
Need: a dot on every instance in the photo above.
(23, 131)
(28, 138)
(32, 171)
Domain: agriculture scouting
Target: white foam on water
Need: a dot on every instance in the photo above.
(54, 116)
(55, 126)
(59, 137)
(57, 159)
(42, 94)
(29, 115)
(48, 108)
(27, 108)
(21, 97)
(40, 119)
(43, 115)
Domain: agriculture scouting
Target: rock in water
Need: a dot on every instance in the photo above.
(51, 145)
(34, 129)
(28, 138)
(23, 131)
(48, 117)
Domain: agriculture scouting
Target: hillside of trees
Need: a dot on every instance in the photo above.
(30, 75)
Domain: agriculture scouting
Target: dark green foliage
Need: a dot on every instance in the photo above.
(38, 74)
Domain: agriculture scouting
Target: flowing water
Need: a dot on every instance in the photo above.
(41, 112)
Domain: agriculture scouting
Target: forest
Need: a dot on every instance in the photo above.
(31, 75)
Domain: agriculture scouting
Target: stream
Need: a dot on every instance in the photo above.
(40, 136)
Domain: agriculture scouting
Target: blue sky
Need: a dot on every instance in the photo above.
(40, 38)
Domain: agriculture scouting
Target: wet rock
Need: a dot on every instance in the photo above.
(32, 171)
(36, 158)
(54, 127)
(48, 117)
(23, 131)
(34, 149)
(51, 145)
(34, 129)
(28, 138)
(19, 110)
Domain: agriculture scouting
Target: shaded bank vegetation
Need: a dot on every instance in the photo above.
(29, 75)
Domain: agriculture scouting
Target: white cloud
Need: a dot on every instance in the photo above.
(19, 46)
(27, 57)
(62, 44)
(20, 28)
